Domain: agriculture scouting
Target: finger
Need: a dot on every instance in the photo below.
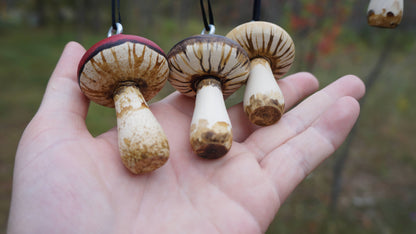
(63, 95)
(289, 164)
(294, 87)
(176, 121)
(180, 102)
(264, 140)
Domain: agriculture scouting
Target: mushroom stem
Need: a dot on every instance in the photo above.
(211, 135)
(143, 144)
(263, 100)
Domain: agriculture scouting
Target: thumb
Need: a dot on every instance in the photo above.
(63, 99)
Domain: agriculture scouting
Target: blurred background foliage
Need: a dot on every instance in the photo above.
(367, 186)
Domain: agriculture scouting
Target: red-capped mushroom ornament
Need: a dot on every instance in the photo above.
(125, 71)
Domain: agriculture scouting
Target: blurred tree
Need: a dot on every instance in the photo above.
(3, 8)
(343, 154)
(40, 12)
(146, 15)
(321, 22)
(182, 11)
(274, 10)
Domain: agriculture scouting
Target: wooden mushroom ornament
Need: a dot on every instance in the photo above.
(209, 67)
(272, 52)
(125, 71)
(385, 13)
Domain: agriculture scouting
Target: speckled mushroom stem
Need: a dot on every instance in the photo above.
(143, 144)
(210, 135)
(385, 13)
(263, 100)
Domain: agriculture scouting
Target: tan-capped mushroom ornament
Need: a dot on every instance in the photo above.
(271, 51)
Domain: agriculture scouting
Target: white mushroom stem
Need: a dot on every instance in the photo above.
(211, 135)
(263, 100)
(143, 144)
(385, 13)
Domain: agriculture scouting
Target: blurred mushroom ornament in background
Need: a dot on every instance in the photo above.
(385, 13)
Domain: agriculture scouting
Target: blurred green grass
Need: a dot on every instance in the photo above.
(379, 185)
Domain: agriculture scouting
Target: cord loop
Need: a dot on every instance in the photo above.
(208, 26)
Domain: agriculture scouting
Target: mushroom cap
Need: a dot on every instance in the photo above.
(207, 56)
(122, 60)
(266, 40)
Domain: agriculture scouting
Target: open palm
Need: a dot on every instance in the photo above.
(66, 181)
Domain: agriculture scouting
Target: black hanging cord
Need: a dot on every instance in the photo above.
(204, 16)
(113, 13)
(256, 10)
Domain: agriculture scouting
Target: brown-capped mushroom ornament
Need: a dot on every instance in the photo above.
(272, 52)
(125, 71)
(385, 13)
(209, 67)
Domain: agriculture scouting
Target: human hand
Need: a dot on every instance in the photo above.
(65, 180)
